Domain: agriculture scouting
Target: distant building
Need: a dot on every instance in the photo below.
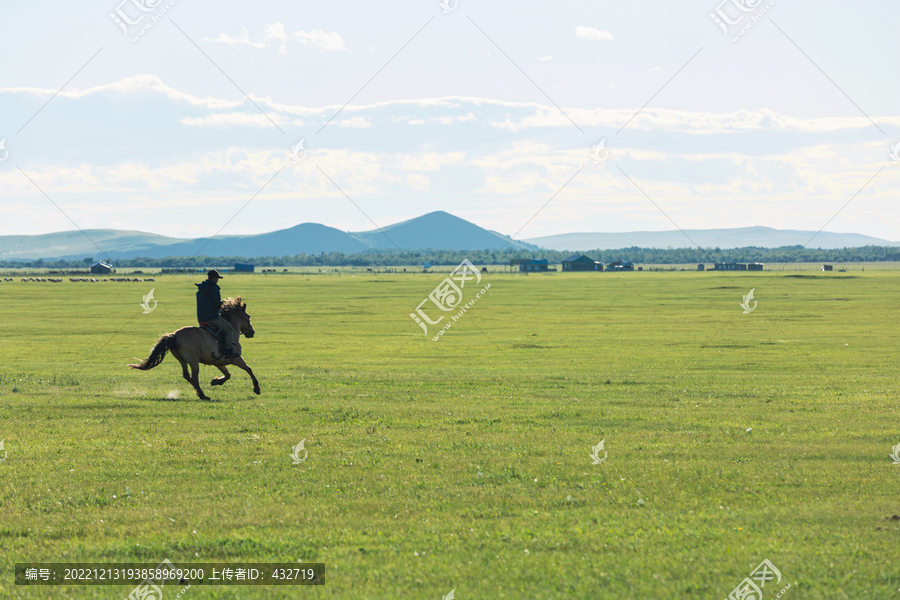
(244, 267)
(101, 268)
(620, 266)
(701, 267)
(580, 262)
(730, 267)
(827, 268)
(755, 267)
(530, 265)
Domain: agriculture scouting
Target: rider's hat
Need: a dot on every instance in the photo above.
(214, 272)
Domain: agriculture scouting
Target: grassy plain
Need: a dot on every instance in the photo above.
(464, 463)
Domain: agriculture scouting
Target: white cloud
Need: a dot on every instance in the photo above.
(789, 178)
(654, 70)
(592, 33)
(798, 178)
(548, 57)
(418, 182)
(273, 32)
(429, 161)
(691, 122)
(325, 42)
(229, 119)
(357, 122)
(130, 85)
(243, 38)
(445, 120)
(521, 115)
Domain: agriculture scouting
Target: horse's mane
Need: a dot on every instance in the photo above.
(232, 305)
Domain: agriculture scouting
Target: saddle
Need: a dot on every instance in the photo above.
(217, 333)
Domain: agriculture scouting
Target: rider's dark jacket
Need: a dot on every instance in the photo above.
(209, 301)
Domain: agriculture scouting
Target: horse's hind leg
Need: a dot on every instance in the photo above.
(239, 362)
(221, 380)
(195, 380)
(184, 371)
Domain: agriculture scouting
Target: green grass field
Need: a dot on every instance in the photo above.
(464, 463)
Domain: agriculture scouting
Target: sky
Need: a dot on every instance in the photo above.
(530, 118)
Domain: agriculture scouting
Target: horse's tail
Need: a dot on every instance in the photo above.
(165, 343)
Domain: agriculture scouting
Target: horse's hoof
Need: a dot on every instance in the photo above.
(256, 391)
(215, 382)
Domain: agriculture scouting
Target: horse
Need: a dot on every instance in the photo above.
(193, 346)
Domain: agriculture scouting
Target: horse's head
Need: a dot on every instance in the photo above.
(248, 331)
(239, 312)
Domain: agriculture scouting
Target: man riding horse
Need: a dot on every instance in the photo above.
(209, 306)
(195, 346)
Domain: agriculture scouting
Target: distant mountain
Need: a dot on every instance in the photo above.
(309, 238)
(73, 245)
(437, 230)
(742, 237)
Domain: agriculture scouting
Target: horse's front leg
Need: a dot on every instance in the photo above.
(239, 362)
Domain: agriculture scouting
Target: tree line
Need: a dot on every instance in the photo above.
(398, 258)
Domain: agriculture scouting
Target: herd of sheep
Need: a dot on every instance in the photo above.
(80, 279)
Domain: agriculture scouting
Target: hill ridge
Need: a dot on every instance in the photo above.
(726, 238)
(437, 230)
